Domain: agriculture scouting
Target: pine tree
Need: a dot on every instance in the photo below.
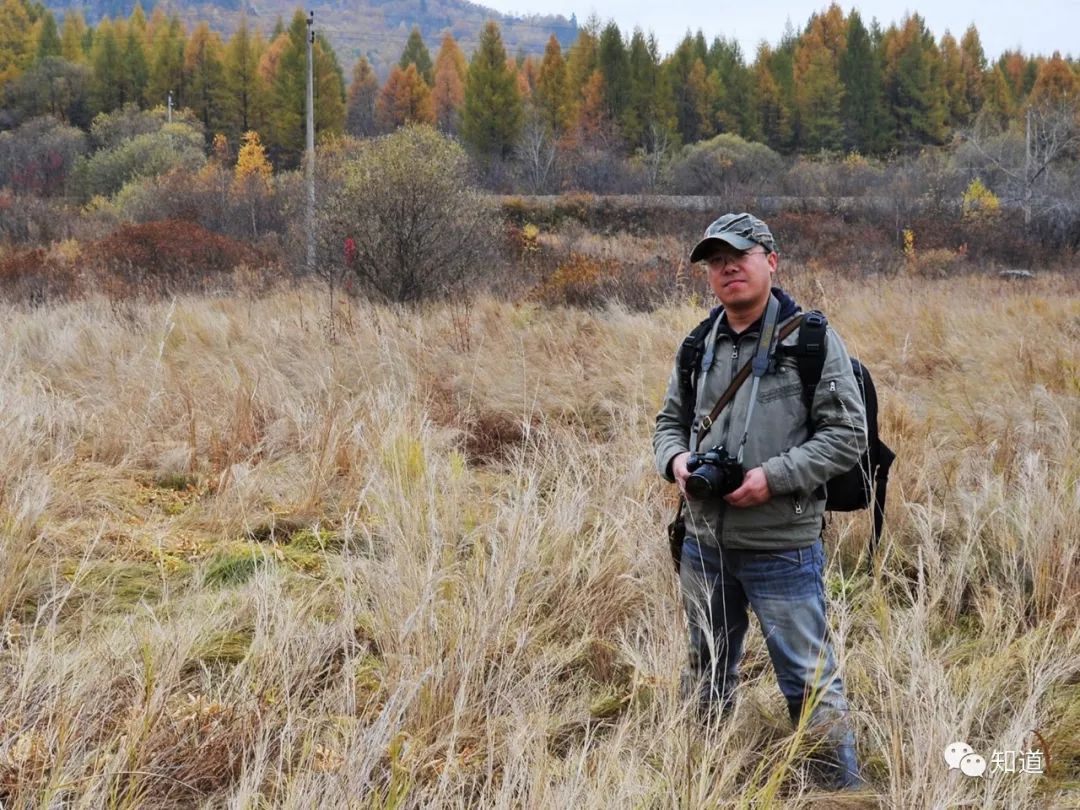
(17, 45)
(71, 37)
(736, 110)
(550, 98)
(865, 118)
(48, 38)
(1055, 83)
(772, 113)
(451, 72)
(167, 65)
(913, 81)
(782, 68)
(650, 114)
(678, 67)
(360, 101)
(819, 92)
(404, 99)
(999, 103)
(614, 64)
(492, 113)
(245, 104)
(701, 94)
(107, 84)
(593, 124)
(954, 82)
(137, 22)
(416, 53)
(135, 73)
(285, 65)
(204, 72)
(582, 59)
(974, 66)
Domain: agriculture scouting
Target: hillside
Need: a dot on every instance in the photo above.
(375, 28)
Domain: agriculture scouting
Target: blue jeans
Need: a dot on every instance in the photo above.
(785, 589)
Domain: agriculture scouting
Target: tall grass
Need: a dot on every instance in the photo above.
(420, 562)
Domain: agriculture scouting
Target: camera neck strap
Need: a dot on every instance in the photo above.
(748, 369)
(736, 384)
(766, 346)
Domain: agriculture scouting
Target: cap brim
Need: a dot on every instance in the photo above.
(706, 245)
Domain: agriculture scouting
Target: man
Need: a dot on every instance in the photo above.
(760, 545)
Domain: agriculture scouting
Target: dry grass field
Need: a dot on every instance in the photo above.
(420, 562)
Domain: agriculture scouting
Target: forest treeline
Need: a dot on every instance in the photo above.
(840, 84)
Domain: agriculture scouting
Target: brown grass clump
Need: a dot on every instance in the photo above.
(419, 561)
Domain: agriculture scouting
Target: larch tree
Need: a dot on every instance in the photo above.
(287, 65)
(416, 53)
(913, 81)
(72, 33)
(245, 104)
(451, 72)
(866, 124)
(492, 113)
(47, 37)
(205, 71)
(973, 61)
(404, 99)
(105, 62)
(134, 71)
(773, 114)
(167, 64)
(550, 99)
(614, 63)
(17, 45)
(360, 101)
(819, 92)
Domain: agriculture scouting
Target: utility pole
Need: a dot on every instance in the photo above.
(170, 106)
(311, 144)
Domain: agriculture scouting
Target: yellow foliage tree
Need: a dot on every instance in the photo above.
(251, 162)
(979, 202)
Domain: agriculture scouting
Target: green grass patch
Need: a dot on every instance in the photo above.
(124, 583)
(222, 650)
(234, 566)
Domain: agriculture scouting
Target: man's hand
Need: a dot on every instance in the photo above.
(678, 469)
(753, 491)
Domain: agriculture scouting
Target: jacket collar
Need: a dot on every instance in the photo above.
(788, 308)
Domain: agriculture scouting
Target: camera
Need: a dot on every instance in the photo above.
(712, 474)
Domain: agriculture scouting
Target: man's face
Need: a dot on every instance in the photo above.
(741, 280)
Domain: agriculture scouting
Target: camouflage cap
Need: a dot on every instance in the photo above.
(741, 231)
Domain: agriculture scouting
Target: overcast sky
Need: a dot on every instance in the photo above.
(1036, 26)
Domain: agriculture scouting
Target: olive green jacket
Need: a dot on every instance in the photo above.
(795, 463)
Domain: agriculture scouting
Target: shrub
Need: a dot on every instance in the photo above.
(174, 146)
(25, 276)
(37, 157)
(717, 165)
(160, 257)
(418, 226)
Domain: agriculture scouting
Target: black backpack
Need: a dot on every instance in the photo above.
(866, 482)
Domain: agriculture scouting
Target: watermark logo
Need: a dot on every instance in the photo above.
(961, 756)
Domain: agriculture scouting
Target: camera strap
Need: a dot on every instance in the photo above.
(743, 374)
(758, 365)
(766, 346)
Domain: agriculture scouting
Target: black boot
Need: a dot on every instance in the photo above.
(835, 765)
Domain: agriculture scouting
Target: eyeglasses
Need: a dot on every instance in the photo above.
(719, 261)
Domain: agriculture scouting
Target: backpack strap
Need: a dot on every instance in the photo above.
(690, 354)
(885, 459)
(810, 353)
(677, 528)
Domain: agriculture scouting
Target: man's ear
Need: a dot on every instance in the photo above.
(773, 259)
